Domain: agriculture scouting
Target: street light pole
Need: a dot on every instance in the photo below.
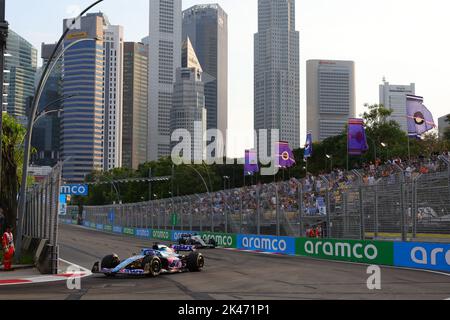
(3, 38)
(40, 88)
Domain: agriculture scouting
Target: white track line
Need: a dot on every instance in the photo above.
(52, 278)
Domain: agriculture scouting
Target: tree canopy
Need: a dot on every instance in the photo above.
(12, 159)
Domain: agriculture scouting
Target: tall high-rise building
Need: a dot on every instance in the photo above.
(92, 121)
(46, 137)
(394, 97)
(189, 111)
(207, 28)
(83, 120)
(277, 70)
(113, 46)
(20, 72)
(135, 105)
(164, 59)
(330, 97)
(443, 125)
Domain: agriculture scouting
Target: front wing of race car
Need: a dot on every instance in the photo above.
(121, 268)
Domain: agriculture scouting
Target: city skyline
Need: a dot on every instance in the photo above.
(335, 39)
(330, 97)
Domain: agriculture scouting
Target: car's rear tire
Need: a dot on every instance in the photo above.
(152, 265)
(110, 262)
(195, 262)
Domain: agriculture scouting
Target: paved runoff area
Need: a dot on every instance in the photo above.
(228, 275)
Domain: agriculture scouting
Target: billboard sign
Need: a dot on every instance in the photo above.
(371, 252)
(271, 244)
(75, 190)
(426, 256)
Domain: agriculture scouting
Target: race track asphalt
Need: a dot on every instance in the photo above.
(228, 275)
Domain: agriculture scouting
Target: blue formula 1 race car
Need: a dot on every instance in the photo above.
(153, 262)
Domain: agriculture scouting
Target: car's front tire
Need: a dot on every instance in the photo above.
(152, 266)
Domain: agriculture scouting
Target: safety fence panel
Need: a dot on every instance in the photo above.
(42, 213)
(399, 205)
(431, 205)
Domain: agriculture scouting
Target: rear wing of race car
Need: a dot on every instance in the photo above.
(183, 248)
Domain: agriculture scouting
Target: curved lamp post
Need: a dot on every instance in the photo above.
(209, 195)
(40, 88)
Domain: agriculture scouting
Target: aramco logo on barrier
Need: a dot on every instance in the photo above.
(283, 245)
(161, 235)
(420, 255)
(75, 190)
(432, 256)
(372, 252)
(341, 249)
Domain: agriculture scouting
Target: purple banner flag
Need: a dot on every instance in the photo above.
(420, 119)
(308, 146)
(251, 163)
(357, 140)
(285, 155)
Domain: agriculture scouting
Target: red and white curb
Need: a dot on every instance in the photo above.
(82, 273)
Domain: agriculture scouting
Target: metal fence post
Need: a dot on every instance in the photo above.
(191, 216)
(41, 211)
(402, 214)
(345, 212)
(212, 214)
(258, 211)
(362, 217)
(300, 208)
(328, 212)
(414, 208)
(277, 197)
(241, 213)
(226, 216)
(377, 231)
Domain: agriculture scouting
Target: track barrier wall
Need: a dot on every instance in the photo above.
(425, 256)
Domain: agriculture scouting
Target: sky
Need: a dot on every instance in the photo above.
(405, 41)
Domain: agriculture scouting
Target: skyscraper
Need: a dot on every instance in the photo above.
(113, 45)
(207, 28)
(330, 97)
(188, 111)
(20, 72)
(394, 97)
(92, 121)
(46, 137)
(443, 125)
(135, 104)
(164, 59)
(277, 70)
(83, 120)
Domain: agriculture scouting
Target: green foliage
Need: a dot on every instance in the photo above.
(12, 160)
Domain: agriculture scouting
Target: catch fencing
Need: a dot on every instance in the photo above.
(41, 219)
(399, 206)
